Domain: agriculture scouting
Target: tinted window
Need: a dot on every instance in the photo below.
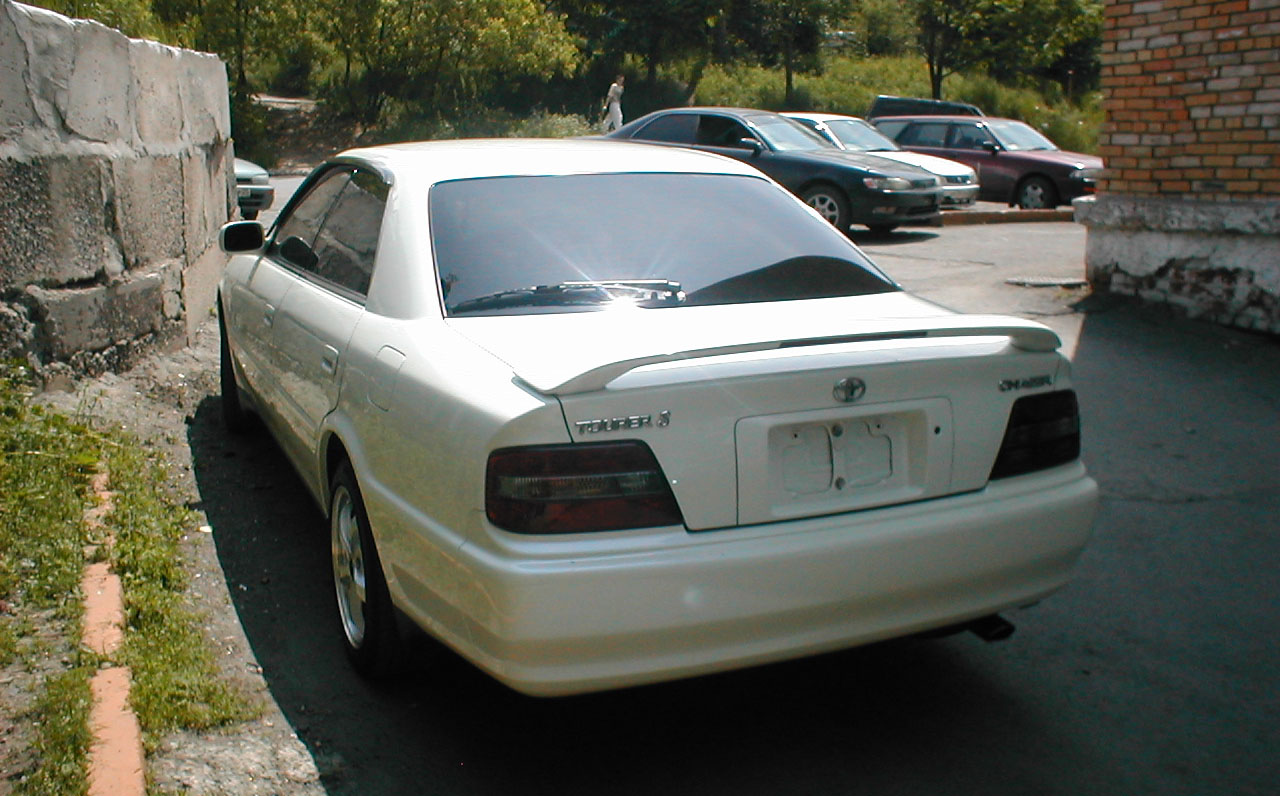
(296, 235)
(891, 128)
(722, 131)
(333, 231)
(970, 136)
(676, 128)
(589, 242)
(925, 134)
(348, 240)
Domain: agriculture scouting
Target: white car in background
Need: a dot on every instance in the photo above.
(596, 414)
(959, 182)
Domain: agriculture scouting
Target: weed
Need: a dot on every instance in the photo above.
(175, 679)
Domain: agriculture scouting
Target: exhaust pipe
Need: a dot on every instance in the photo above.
(992, 628)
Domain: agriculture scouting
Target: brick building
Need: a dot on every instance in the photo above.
(1189, 213)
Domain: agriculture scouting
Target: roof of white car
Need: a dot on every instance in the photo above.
(822, 117)
(436, 161)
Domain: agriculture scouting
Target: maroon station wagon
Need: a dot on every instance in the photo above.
(1016, 164)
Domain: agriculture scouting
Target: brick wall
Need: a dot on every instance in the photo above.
(1193, 99)
(1188, 214)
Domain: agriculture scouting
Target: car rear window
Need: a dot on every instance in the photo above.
(514, 245)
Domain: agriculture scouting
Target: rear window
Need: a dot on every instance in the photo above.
(513, 245)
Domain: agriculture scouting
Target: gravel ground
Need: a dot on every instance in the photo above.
(158, 402)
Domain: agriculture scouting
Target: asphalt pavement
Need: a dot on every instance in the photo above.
(1156, 672)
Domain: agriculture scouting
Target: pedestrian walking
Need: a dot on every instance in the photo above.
(613, 105)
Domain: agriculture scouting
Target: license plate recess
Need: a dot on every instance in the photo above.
(804, 464)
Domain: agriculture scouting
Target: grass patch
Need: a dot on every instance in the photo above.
(62, 745)
(46, 460)
(176, 683)
(45, 463)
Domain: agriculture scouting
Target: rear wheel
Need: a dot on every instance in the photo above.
(1037, 193)
(365, 614)
(234, 415)
(830, 203)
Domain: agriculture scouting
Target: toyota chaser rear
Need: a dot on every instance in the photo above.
(672, 423)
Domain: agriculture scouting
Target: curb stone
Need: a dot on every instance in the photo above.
(117, 763)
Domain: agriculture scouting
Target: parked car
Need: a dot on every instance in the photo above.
(1016, 164)
(959, 182)
(889, 105)
(596, 414)
(253, 189)
(845, 187)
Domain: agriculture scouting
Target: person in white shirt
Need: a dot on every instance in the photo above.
(613, 105)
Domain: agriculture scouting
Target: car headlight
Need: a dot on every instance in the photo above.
(1087, 174)
(887, 183)
(261, 179)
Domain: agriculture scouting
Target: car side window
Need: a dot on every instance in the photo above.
(721, 131)
(969, 136)
(348, 240)
(925, 134)
(675, 128)
(295, 238)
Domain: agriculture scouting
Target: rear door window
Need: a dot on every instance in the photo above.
(925, 134)
(674, 128)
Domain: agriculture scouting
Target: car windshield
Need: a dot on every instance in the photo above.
(788, 135)
(1017, 136)
(517, 245)
(857, 134)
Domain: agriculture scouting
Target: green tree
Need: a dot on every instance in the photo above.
(957, 35)
(440, 54)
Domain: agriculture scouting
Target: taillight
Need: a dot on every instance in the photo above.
(575, 488)
(1043, 432)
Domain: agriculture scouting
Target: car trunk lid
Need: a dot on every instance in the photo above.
(756, 426)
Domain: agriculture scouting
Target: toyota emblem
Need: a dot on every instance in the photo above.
(847, 391)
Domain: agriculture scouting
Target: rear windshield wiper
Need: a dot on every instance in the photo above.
(637, 292)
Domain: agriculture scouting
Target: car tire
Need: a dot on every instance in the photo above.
(1037, 193)
(249, 215)
(365, 614)
(830, 203)
(234, 416)
(882, 229)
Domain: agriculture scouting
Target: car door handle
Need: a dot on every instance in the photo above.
(329, 360)
(269, 315)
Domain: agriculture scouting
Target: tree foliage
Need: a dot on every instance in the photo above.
(960, 35)
(432, 59)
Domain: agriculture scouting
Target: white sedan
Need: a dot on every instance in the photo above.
(959, 182)
(596, 414)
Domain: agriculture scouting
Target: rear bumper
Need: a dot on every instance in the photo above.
(635, 609)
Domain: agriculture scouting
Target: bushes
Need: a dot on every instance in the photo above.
(848, 84)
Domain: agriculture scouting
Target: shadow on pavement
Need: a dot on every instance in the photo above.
(1077, 702)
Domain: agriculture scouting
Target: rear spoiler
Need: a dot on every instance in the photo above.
(1022, 334)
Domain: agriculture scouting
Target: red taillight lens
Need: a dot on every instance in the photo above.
(576, 488)
(1043, 432)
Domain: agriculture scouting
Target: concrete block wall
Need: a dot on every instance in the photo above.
(115, 157)
(1189, 211)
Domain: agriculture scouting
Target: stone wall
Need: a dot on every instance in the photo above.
(115, 158)
(1189, 211)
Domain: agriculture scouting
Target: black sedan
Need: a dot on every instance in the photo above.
(845, 187)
